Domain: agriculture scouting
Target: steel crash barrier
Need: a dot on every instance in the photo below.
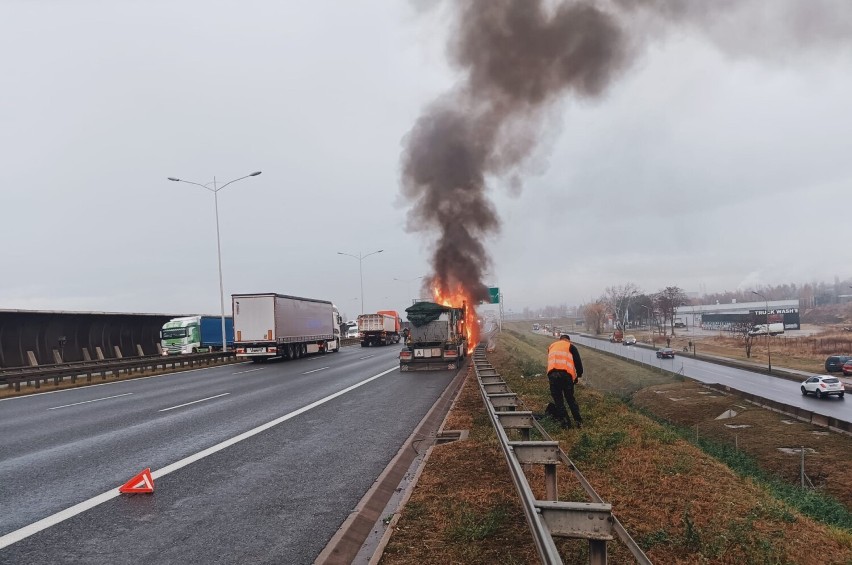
(13, 377)
(550, 517)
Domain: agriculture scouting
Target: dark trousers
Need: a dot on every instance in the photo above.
(562, 385)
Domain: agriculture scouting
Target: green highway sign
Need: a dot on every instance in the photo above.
(494, 294)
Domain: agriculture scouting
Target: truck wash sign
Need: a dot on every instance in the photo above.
(789, 316)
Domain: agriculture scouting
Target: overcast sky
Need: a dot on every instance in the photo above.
(700, 167)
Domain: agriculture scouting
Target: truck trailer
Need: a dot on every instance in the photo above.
(271, 325)
(196, 334)
(381, 328)
(437, 338)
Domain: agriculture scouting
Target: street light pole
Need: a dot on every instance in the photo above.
(215, 190)
(361, 269)
(766, 305)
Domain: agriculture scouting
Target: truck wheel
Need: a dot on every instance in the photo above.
(291, 353)
(195, 350)
(337, 348)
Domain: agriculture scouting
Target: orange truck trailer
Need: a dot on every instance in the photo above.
(381, 328)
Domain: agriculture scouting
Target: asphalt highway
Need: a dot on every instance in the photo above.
(252, 463)
(766, 386)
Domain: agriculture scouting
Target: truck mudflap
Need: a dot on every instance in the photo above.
(433, 365)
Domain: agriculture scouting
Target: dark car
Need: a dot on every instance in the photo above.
(847, 368)
(665, 353)
(835, 363)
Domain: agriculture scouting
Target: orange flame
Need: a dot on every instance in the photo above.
(456, 298)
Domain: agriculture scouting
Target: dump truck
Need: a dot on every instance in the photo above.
(195, 334)
(381, 328)
(436, 340)
(269, 325)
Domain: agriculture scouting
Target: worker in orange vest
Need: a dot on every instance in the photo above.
(564, 367)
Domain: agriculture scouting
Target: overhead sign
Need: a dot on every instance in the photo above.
(494, 294)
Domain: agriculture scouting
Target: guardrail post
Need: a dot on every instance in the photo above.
(550, 482)
(99, 353)
(597, 552)
(118, 354)
(32, 359)
(57, 358)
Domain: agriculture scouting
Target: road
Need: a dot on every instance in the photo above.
(251, 463)
(773, 388)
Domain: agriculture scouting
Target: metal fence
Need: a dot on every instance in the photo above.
(13, 377)
(550, 517)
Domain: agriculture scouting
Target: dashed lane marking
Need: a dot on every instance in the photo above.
(194, 402)
(88, 401)
(61, 516)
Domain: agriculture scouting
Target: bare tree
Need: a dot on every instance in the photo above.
(617, 300)
(668, 300)
(594, 314)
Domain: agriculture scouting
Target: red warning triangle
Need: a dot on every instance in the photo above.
(141, 483)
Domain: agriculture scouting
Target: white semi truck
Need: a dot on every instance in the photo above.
(271, 325)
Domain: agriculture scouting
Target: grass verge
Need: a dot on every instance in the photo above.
(684, 501)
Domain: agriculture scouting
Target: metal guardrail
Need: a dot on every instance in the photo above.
(547, 518)
(16, 375)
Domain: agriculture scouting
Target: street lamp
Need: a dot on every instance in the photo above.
(215, 190)
(768, 354)
(408, 283)
(361, 269)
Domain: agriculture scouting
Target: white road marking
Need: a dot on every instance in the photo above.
(248, 371)
(52, 520)
(315, 370)
(367, 357)
(88, 401)
(194, 402)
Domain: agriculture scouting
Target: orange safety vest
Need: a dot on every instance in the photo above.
(559, 358)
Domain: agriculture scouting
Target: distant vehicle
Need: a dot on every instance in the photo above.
(835, 363)
(847, 368)
(272, 325)
(763, 329)
(629, 340)
(381, 328)
(536, 327)
(195, 334)
(616, 336)
(679, 323)
(352, 332)
(665, 353)
(823, 385)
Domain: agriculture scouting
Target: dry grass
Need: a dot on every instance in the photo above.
(679, 503)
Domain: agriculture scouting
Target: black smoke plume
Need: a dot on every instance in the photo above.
(518, 59)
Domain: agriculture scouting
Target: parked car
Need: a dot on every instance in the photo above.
(665, 353)
(847, 368)
(629, 340)
(835, 363)
(823, 385)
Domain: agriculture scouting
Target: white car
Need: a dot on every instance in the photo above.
(823, 385)
(629, 340)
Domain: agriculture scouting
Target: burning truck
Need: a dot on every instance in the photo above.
(438, 339)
